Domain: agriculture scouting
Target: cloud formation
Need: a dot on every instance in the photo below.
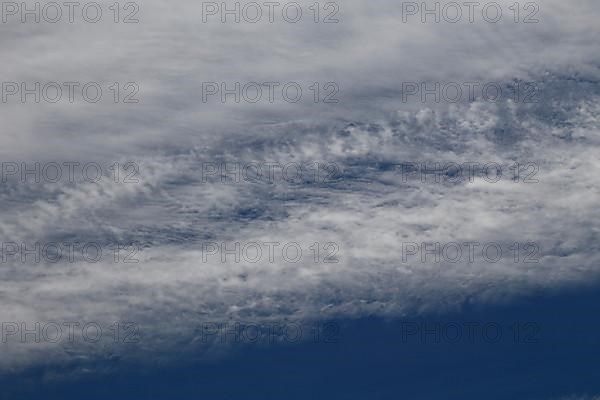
(369, 206)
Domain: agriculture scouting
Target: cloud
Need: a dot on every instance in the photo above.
(367, 207)
(171, 52)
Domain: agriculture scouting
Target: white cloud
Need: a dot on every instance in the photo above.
(368, 212)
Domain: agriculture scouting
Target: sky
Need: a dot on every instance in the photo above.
(300, 200)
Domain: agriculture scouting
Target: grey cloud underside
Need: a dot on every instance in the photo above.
(368, 209)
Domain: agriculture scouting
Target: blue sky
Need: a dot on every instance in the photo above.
(555, 359)
(169, 174)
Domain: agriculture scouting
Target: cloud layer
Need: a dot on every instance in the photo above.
(367, 205)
